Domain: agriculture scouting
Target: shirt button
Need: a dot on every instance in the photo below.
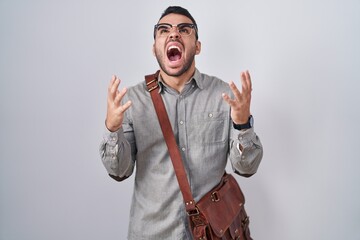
(183, 149)
(210, 115)
(181, 122)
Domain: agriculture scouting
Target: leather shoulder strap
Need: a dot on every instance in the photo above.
(152, 86)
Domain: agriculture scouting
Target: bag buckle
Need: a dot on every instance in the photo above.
(193, 212)
(154, 87)
(245, 222)
(215, 196)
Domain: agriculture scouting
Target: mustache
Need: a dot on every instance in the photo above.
(174, 40)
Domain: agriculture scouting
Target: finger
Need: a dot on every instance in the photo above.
(113, 77)
(119, 96)
(227, 99)
(111, 83)
(244, 86)
(125, 106)
(246, 79)
(113, 88)
(249, 79)
(235, 90)
(245, 83)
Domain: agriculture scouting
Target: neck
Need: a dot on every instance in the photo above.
(177, 82)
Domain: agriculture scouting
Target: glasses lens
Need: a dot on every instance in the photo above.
(185, 29)
(163, 29)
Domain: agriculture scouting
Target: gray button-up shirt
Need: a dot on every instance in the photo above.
(203, 129)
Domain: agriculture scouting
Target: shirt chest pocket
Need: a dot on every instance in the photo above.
(208, 128)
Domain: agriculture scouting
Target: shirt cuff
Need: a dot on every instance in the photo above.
(112, 138)
(244, 137)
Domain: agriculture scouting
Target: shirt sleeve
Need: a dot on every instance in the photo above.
(245, 162)
(117, 153)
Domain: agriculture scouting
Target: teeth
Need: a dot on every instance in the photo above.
(174, 47)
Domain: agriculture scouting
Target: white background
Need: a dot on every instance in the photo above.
(57, 57)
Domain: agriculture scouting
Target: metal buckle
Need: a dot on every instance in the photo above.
(215, 196)
(193, 212)
(245, 223)
(150, 82)
(154, 87)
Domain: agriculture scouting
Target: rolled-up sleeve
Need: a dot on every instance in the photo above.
(115, 152)
(246, 159)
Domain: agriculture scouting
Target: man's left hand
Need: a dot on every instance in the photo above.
(240, 105)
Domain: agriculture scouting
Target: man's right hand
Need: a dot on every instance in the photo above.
(115, 111)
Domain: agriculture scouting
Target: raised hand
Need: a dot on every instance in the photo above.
(240, 105)
(115, 111)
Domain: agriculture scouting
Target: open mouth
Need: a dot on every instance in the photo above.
(174, 53)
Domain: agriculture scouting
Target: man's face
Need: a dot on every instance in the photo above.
(174, 52)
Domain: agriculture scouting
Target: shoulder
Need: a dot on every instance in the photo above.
(138, 90)
(137, 93)
(210, 81)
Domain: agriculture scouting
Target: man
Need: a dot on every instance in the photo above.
(211, 122)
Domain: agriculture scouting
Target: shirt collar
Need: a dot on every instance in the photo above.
(199, 81)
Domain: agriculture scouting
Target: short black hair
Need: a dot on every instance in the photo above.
(181, 11)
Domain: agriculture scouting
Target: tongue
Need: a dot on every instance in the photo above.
(174, 57)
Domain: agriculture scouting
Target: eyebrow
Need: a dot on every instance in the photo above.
(169, 24)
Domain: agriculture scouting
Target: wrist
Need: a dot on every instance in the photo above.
(245, 125)
(110, 127)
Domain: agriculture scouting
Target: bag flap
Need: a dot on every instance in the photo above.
(222, 205)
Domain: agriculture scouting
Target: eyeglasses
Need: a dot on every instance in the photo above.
(164, 29)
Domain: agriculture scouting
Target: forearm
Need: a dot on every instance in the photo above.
(246, 152)
(116, 154)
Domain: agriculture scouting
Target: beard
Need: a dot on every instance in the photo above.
(182, 70)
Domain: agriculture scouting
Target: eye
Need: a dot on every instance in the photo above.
(163, 29)
(185, 29)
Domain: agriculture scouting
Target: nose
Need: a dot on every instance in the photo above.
(174, 33)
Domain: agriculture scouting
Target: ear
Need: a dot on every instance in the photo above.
(153, 49)
(198, 47)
